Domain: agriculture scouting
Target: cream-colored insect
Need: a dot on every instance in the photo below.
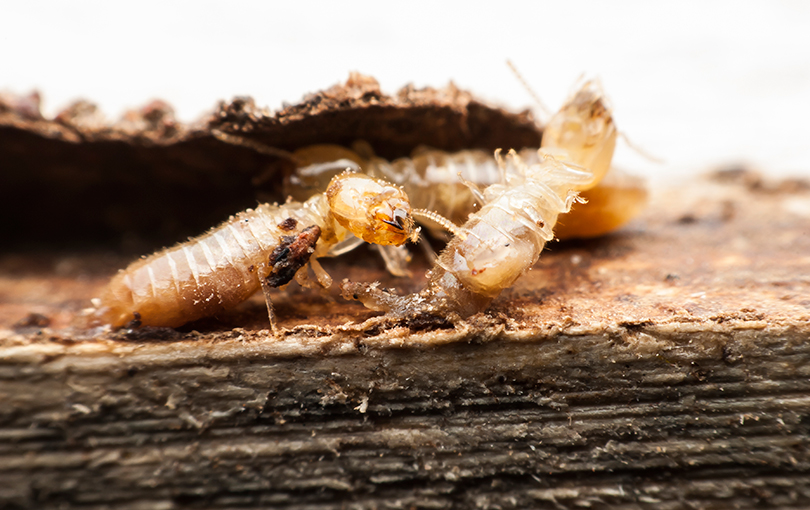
(438, 182)
(264, 247)
(502, 240)
(429, 176)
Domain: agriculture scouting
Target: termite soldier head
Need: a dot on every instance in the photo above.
(372, 209)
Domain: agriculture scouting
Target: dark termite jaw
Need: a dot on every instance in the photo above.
(396, 225)
(400, 216)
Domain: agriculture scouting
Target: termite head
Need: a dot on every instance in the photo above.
(584, 130)
(372, 209)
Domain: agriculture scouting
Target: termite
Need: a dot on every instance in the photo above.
(503, 239)
(432, 178)
(263, 248)
(437, 181)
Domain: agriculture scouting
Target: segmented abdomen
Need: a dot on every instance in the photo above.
(493, 248)
(204, 275)
(503, 239)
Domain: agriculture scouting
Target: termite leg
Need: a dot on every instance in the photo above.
(344, 246)
(302, 278)
(396, 259)
(271, 315)
(474, 189)
(430, 253)
(320, 273)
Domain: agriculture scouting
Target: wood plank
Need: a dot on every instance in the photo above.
(663, 366)
(666, 365)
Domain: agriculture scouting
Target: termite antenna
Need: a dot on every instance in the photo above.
(501, 164)
(641, 151)
(439, 219)
(473, 187)
(259, 147)
(545, 109)
(512, 156)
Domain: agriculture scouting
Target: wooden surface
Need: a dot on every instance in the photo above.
(665, 366)
(148, 180)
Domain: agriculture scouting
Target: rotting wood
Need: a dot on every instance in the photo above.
(149, 179)
(663, 366)
(666, 365)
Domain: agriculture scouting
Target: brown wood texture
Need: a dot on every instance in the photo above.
(148, 179)
(663, 366)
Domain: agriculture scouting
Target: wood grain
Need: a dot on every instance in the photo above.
(664, 366)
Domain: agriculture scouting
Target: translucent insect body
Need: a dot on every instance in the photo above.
(259, 248)
(504, 229)
(503, 239)
(582, 132)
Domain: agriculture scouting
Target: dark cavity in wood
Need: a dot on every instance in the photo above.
(148, 180)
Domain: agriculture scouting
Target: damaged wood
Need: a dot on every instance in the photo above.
(663, 366)
(149, 180)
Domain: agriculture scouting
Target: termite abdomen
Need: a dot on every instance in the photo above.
(198, 278)
(262, 248)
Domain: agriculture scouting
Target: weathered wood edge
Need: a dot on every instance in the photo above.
(601, 379)
(151, 178)
(674, 415)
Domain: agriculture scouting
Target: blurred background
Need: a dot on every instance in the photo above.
(695, 83)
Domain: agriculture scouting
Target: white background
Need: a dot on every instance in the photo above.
(696, 83)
